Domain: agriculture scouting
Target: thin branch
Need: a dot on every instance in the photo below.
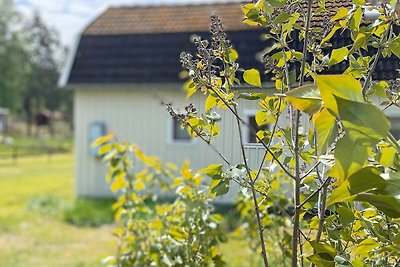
(296, 122)
(256, 208)
(315, 192)
(175, 115)
(322, 209)
(377, 56)
(253, 131)
(270, 141)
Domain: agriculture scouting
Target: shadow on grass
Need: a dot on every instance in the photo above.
(83, 212)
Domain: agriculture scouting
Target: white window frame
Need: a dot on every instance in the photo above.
(247, 113)
(170, 135)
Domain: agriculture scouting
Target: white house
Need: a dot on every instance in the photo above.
(127, 60)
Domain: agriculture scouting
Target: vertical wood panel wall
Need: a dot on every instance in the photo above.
(137, 116)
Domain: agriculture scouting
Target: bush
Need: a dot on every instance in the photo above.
(89, 212)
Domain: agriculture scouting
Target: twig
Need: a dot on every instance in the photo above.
(377, 56)
(253, 131)
(327, 180)
(296, 220)
(256, 208)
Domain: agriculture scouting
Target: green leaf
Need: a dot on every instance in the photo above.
(318, 261)
(364, 123)
(221, 188)
(346, 216)
(252, 77)
(355, 20)
(338, 55)
(361, 40)
(252, 96)
(282, 17)
(277, 3)
(323, 248)
(394, 46)
(392, 184)
(364, 180)
(349, 157)
(365, 247)
(327, 130)
(344, 86)
(305, 98)
(213, 170)
(387, 204)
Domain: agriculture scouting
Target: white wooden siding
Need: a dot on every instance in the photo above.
(137, 116)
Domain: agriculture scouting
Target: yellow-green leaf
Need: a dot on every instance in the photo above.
(211, 102)
(103, 139)
(338, 55)
(344, 86)
(252, 77)
(139, 185)
(342, 13)
(388, 156)
(119, 182)
(366, 246)
(327, 130)
(305, 98)
(105, 149)
(360, 41)
(263, 118)
(213, 170)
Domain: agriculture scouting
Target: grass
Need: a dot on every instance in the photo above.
(42, 224)
(31, 232)
(30, 146)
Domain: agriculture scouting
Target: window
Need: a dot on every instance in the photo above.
(179, 134)
(395, 129)
(249, 136)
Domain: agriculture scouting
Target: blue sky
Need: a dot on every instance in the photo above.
(70, 16)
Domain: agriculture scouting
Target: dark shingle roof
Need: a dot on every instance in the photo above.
(142, 44)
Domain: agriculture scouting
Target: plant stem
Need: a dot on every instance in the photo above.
(393, 142)
(322, 209)
(254, 196)
(253, 131)
(375, 63)
(295, 125)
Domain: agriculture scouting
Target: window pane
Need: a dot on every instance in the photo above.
(252, 122)
(395, 129)
(179, 133)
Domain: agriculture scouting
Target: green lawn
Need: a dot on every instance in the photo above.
(32, 236)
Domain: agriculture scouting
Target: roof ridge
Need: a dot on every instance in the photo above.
(177, 4)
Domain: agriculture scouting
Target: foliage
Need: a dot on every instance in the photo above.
(345, 169)
(89, 212)
(12, 57)
(182, 233)
(29, 65)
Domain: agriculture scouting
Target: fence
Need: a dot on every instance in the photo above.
(14, 152)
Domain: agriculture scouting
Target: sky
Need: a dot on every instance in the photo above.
(69, 17)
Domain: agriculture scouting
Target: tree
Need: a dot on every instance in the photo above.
(346, 170)
(41, 89)
(13, 67)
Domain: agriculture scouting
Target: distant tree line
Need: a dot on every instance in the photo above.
(30, 63)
